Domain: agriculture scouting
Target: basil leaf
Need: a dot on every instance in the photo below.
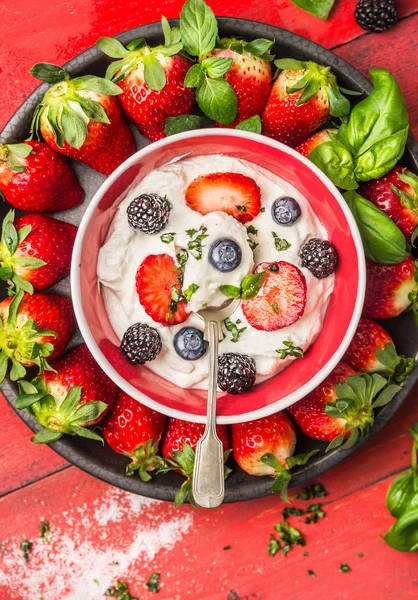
(198, 27)
(218, 100)
(383, 241)
(181, 123)
(154, 73)
(403, 535)
(194, 76)
(400, 494)
(336, 162)
(381, 157)
(318, 8)
(216, 66)
(232, 291)
(378, 116)
(251, 284)
(252, 124)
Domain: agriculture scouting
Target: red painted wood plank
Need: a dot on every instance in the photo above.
(20, 461)
(395, 50)
(94, 525)
(54, 31)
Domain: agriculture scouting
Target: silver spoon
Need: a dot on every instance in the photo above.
(208, 476)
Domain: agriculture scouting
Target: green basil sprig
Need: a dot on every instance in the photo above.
(383, 241)
(318, 8)
(250, 286)
(373, 139)
(402, 503)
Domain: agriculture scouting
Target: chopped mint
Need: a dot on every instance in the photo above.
(193, 287)
(241, 208)
(233, 328)
(311, 573)
(344, 568)
(252, 245)
(44, 530)
(273, 546)
(288, 536)
(306, 553)
(228, 547)
(120, 591)
(195, 246)
(191, 232)
(263, 209)
(96, 581)
(314, 512)
(176, 297)
(275, 309)
(316, 490)
(290, 349)
(252, 230)
(26, 548)
(274, 268)
(292, 510)
(360, 554)
(280, 243)
(153, 583)
(167, 237)
(182, 257)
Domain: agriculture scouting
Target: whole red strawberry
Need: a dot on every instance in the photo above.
(249, 74)
(372, 351)
(36, 179)
(76, 395)
(179, 451)
(397, 195)
(341, 407)
(34, 328)
(151, 80)
(135, 430)
(81, 118)
(302, 99)
(318, 138)
(35, 251)
(390, 289)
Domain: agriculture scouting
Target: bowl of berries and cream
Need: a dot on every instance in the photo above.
(191, 221)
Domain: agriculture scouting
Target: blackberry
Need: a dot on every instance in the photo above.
(320, 257)
(236, 373)
(141, 343)
(376, 15)
(148, 213)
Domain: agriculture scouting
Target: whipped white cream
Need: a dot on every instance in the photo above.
(125, 249)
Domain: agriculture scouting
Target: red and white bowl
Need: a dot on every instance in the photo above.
(341, 319)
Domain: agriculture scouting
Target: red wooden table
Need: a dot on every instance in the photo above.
(99, 533)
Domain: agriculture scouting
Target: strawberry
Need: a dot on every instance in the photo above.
(318, 138)
(151, 80)
(302, 99)
(72, 397)
(35, 251)
(233, 193)
(390, 289)
(135, 430)
(33, 328)
(158, 284)
(179, 452)
(397, 195)
(372, 350)
(265, 447)
(36, 179)
(249, 73)
(282, 299)
(341, 407)
(82, 119)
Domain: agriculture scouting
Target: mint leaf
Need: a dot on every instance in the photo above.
(198, 27)
(193, 287)
(181, 123)
(216, 66)
(259, 47)
(167, 237)
(290, 350)
(194, 76)
(218, 100)
(233, 328)
(252, 124)
(280, 243)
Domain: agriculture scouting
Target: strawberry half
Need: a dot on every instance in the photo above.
(390, 289)
(35, 251)
(318, 138)
(76, 395)
(135, 430)
(81, 118)
(265, 447)
(282, 299)
(302, 99)
(33, 328)
(159, 290)
(397, 195)
(36, 179)
(341, 407)
(151, 80)
(372, 350)
(235, 194)
(178, 451)
(249, 74)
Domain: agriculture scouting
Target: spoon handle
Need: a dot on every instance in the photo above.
(208, 476)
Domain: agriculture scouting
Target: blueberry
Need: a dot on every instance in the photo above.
(189, 343)
(285, 211)
(225, 255)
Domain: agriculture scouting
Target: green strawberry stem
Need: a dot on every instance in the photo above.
(10, 154)
(68, 416)
(356, 400)
(144, 459)
(283, 474)
(396, 367)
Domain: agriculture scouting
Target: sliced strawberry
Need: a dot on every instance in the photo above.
(233, 193)
(281, 300)
(158, 287)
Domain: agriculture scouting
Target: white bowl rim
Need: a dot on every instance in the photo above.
(274, 407)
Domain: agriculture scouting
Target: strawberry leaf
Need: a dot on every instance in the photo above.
(20, 150)
(4, 359)
(338, 105)
(26, 400)
(49, 73)
(300, 459)
(289, 63)
(253, 124)
(17, 371)
(198, 27)
(29, 262)
(112, 47)
(10, 237)
(73, 127)
(181, 123)
(93, 110)
(71, 400)
(86, 433)
(154, 73)
(98, 85)
(19, 284)
(386, 396)
(45, 436)
(89, 411)
(165, 25)
(5, 273)
(54, 119)
(23, 233)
